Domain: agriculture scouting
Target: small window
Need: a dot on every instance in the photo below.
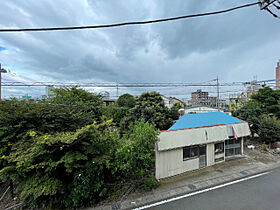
(194, 151)
(190, 152)
(186, 152)
(219, 148)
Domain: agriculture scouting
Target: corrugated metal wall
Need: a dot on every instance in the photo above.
(242, 129)
(170, 163)
(210, 154)
(169, 150)
(188, 137)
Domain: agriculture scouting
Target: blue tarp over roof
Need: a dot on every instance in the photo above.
(203, 119)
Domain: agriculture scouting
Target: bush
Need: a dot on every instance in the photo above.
(74, 169)
(16, 118)
(269, 128)
(62, 153)
(135, 156)
(45, 166)
(264, 147)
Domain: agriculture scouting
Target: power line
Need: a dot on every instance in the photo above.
(126, 23)
(140, 85)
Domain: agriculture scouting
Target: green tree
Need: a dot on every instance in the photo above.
(69, 110)
(150, 107)
(251, 113)
(75, 96)
(174, 111)
(126, 100)
(262, 112)
(269, 128)
(115, 112)
(269, 100)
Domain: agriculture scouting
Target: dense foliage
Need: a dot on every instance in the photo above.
(150, 106)
(262, 112)
(126, 100)
(64, 153)
(72, 169)
(16, 118)
(75, 96)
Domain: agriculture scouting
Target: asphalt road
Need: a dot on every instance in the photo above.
(258, 193)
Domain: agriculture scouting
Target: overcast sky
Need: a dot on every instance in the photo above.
(236, 45)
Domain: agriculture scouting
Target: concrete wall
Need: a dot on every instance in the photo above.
(170, 163)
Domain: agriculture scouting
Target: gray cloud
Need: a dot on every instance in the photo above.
(236, 46)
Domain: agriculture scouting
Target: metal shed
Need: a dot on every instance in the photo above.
(199, 140)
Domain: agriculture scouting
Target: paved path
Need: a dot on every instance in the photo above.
(257, 193)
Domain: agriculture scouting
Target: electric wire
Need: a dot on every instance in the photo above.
(126, 23)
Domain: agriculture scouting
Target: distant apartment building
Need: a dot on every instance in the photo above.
(202, 98)
(278, 75)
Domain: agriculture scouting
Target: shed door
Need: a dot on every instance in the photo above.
(202, 156)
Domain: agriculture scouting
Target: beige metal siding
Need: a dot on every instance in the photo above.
(181, 138)
(210, 154)
(217, 133)
(170, 163)
(242, 143)
(241, 129)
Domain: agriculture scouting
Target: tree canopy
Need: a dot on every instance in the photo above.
(262, 112)
(69, 151)
(126, 100)
(150, 107)
(75, 96)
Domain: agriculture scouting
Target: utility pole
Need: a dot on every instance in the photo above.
(117, 90)
(218, 94)
(2, 70)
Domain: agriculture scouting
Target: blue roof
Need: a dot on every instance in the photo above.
(204, 119)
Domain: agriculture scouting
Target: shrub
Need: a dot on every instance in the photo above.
(269, 128)
(46, 167)
(135, 157)
(17, 118)
(74, 169)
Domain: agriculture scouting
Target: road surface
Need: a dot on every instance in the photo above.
(262, 192)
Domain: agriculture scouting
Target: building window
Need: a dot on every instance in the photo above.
(190, 152)
(219, 148)
(233, 147)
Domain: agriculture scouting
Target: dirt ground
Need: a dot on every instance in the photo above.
(7, 202)
(260, 153)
